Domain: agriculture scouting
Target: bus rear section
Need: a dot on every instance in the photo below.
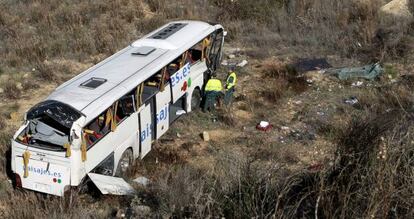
(41, 148)
(40, 171)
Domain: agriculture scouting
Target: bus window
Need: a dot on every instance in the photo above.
(96, 129)
(165, 78)
(198, 51)
(125, 108)
(159, 79)
(194, 55)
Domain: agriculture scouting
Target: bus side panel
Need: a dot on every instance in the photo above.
(179, 82)
(121, 137)
(127, 137)
(163, 100)
(145, 130)
(197, 80)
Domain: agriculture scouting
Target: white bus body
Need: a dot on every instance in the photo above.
(115, 108)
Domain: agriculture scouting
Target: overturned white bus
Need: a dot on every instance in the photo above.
(103, 119)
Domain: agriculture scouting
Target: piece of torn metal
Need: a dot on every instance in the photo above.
(111, 185)
(369, 72)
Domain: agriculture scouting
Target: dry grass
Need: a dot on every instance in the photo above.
(11, 91)
(281, 81)
(245, 176)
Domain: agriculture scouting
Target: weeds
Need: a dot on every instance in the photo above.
(281, 79)
(11, 91)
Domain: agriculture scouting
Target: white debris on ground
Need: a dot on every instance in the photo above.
(242, 63)
(206, 136)
(180, 112)
(141, 180)
(357, 84)
(351, 101)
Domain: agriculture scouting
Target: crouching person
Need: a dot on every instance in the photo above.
(212, 92)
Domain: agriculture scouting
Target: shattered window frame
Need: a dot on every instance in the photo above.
(60, 112)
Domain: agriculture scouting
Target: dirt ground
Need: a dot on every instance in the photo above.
(304, 126)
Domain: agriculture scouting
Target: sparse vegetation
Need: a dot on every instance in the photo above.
(357, 162)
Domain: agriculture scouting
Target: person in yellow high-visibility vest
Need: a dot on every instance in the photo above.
(230, 86)
(212, 91)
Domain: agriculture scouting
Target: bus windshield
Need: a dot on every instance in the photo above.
(49, 125)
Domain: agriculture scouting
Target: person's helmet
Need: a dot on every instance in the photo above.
(231, 68)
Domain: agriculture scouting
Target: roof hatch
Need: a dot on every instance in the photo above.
(143, 50)
(168, 31)
(93, 83)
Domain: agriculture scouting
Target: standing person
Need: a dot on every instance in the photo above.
(212, 91)
(230, 86)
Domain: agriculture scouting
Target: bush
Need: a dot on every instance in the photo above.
(11, 91)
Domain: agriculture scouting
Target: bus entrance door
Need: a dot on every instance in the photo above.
(145, 129)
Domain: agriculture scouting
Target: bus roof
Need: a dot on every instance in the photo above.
(95, 89)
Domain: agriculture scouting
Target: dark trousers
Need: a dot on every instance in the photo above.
(228, 96)
(210, 98)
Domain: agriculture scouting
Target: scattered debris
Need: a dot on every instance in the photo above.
(284, 128)
(225, 63)
(233, 50)
(242, 63)
(180, 112)
(143, 181)
(368, 72)
(264, 126)
(206, 136)
(178, 135)
(357, 84)
(320, 113)
(19, 86)
(232, 56)
(1, 90)
(351, 101)
(304, 65)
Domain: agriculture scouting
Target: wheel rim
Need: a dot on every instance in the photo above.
(125, 163)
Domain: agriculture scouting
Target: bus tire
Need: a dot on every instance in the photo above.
(124, 163)
(196, 100)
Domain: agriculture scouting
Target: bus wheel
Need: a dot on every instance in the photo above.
(124, 163)
(195, 100)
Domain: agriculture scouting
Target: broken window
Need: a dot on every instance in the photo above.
(126, 106)
(97, 128)
(49, 125)
(109, 119)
